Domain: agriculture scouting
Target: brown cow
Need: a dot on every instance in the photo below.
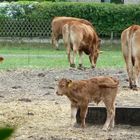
(79, 38)
(130, 39)
(82, 92)
(57, 25)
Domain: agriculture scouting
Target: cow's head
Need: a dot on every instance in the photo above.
(95, 53)
(63, 86)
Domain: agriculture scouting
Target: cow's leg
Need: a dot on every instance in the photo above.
(110, 113)
(83, 113)
(69, 54)
(73, 114)
(136, 70)
(129, 68)
(54, 40)
(56, 43)
(74, 56)
(91, 58)
(80, 59)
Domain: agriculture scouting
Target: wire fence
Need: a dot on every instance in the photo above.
(31, 28)
(25, 28)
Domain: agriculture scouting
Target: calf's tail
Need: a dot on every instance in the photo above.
(112, 83)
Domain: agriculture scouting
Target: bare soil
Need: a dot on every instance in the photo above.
(28, 102)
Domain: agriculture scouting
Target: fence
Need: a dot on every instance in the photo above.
(30, 28)
(25, 28)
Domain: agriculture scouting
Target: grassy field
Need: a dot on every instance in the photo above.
(41, 55)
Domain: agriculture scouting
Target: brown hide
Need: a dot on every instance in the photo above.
(57, 25)
(130, 39)
(79, 38)
(82, 92)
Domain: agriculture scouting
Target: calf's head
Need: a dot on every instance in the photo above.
(63, 86)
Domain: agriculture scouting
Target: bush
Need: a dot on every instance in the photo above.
(105, 17)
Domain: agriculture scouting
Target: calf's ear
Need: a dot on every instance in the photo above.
(69, 83)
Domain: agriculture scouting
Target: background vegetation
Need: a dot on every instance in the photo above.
(107, 18)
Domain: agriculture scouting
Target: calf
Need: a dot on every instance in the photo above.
(57, 25)
(79, 38)
(130, 39)
(82, 92)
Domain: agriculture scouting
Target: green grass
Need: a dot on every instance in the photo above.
(41, 55)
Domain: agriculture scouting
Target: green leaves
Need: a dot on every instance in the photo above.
(5, 133)
(105, 17)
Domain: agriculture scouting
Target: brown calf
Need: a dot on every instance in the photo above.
(82, 92)
(57, 25)
(130, 39)
(79, 38)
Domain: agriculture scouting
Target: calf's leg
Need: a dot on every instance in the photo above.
(83, 113)
(109, 103)
(73, 114)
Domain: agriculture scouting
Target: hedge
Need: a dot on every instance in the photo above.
(106, 17)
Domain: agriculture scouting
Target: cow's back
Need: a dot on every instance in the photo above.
(131, 43)
(58, 23)
(81, 36)
(134, 35)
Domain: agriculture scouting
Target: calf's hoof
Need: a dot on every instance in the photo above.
(72, 65)
(76, 125)
(104, 128)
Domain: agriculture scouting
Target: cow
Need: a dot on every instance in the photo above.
(130, 40)
(82, 92)
(57, 25)
(79, 38)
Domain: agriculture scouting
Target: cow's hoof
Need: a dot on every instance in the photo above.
(135, 88)
(93, 67)
(57, 49)
(72, 65)
(80, 67)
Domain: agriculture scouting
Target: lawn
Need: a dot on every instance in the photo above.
(41, 55)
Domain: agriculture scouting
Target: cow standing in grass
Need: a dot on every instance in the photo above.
(57, 25)
(79, 38)
(82, 92)
(130, 39)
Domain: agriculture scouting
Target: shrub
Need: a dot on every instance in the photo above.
(105, 17)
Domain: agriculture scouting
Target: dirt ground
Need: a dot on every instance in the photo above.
(28, 102)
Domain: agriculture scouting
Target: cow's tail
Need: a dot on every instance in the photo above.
(66, 35)
(129, 44)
